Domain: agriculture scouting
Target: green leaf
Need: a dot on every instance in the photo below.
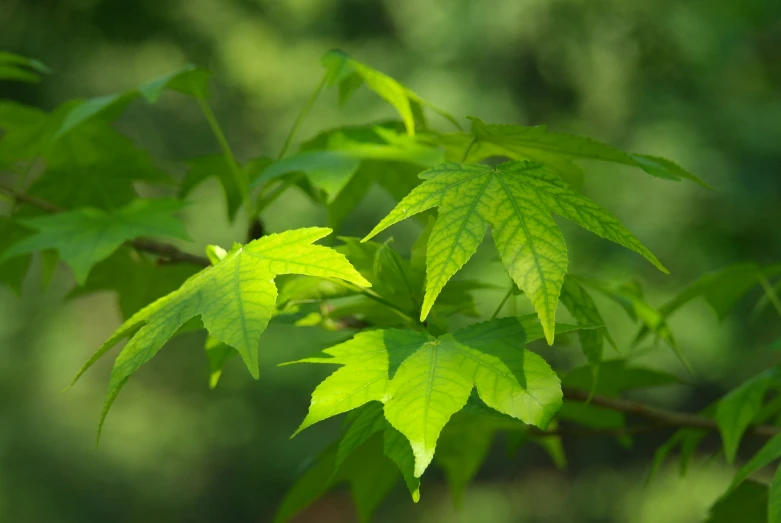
(770, 452)
(461, 451)
(424, 380)
(370, 474)
(398, 449)
(582, 307)
(369, 421)
(516, 199)
(558, 150)
(366, 421)
(747, 504)
(86, 236)
(738, 409)
(21, 68)
(89, 109)
(204, 167)
(217, 354)
(190, 80)
(349, 74)
(235, 299)
(652, 319)
(95, 166)
(12, 271)
(687, 439)
(774, 498)
(310, 485)
(27, 131)
(331, 160)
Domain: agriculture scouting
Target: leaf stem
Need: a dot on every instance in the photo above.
(469, 148)
(501, 303)
(301, 116)
(281, 188)
(770, 292)
(239, 176)
(376, 297)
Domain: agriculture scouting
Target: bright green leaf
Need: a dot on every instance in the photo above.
(424, 380)
(235, 299)
(516, 199)
(349, 74)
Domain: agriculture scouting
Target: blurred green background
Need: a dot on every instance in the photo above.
(698, 81)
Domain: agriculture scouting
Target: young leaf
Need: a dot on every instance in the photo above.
(737, 410)
(21, 68)
(721, 290)
(516, 199)
(558, 150)
(190, 80)
(235, 299)
(331, 160)
(582, 307)
(424, 380)
(349, 74)
(769, 452)
(86, 236)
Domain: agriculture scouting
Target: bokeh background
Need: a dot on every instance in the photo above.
(698, 81)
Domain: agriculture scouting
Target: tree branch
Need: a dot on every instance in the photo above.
(663, 418)
(165, 250)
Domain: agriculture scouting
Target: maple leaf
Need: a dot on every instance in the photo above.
(349, 74)
(516, 199)
(556, 150)
(86, 236)
(235, 299)
(424, 380)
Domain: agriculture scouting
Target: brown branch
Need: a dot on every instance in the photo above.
(598, 431)
(166, 251)
(663, 418)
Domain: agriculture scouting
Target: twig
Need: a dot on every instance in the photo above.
(164, 250)
(664, 418)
